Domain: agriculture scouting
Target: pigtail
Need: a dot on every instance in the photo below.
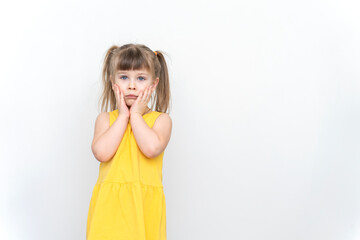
(108, 97)
(163, 93)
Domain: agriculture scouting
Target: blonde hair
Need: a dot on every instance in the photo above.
(135, 57)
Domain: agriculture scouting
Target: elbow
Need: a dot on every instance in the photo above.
(97, 154)
(152, 152)
(99, 158)
(149, 154)
(154, 149)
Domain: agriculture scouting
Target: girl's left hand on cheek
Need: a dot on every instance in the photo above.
(140, 105)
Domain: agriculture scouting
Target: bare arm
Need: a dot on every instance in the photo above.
(107, 138)
(151, 141)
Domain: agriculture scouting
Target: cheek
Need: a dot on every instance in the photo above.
(120, 86)
(143, 88)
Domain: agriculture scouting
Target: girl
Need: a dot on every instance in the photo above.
(128, 201)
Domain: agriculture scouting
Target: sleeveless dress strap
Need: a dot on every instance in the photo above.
(113, 115)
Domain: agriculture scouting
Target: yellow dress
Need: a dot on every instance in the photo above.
(128, 201)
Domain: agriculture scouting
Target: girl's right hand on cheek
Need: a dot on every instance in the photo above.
(120, 101)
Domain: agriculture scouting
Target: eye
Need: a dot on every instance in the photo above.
(122, 76)
(142, 78)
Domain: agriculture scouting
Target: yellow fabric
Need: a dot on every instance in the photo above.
(128, 201)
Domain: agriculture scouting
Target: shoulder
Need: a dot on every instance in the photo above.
(163, 129)
(103, 118)
(163, 117)
(163, 120)
(101, 124)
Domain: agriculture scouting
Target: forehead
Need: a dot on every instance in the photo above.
(141, 71)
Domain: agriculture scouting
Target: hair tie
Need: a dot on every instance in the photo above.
(155, 53)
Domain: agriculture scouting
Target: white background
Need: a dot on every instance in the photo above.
(265, 109)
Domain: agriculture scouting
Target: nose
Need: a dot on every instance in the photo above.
(131, 84)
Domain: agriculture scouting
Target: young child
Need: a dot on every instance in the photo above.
(128, 201)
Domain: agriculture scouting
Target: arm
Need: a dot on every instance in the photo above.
(107, 138)
(151, 141)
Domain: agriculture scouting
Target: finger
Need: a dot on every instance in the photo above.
(117, 92)
(148, 92)
(114, 89)
(147, 95)
(140, 96)
(151, 92)
(121, 95)
(143, 95)
(137, 100)
(123, 98)
(116, 96)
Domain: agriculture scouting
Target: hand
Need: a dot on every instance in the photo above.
(140, 105)
(120, 101)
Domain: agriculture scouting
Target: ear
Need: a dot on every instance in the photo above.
(155, 83)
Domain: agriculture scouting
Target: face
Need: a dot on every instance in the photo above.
(132, 82)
